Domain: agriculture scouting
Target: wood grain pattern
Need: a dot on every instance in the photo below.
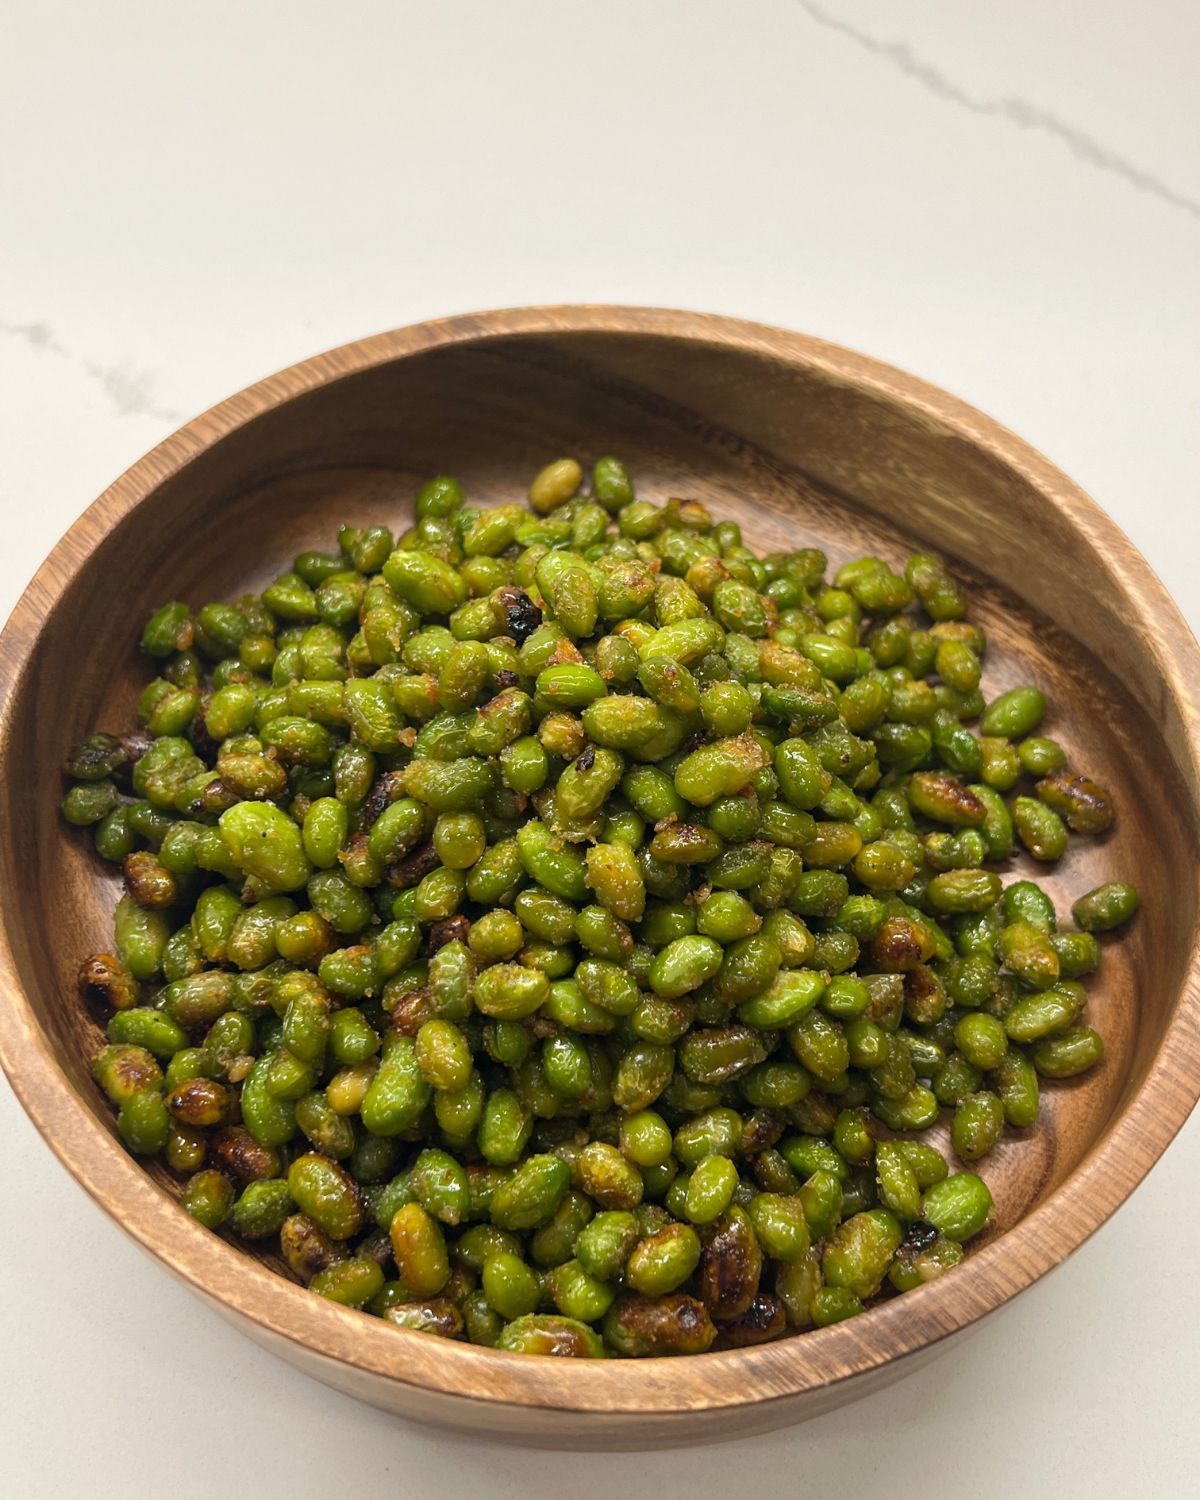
(803, 443)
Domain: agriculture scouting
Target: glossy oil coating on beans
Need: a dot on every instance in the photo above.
(553, 926)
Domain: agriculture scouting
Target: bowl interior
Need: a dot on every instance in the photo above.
(799, 455)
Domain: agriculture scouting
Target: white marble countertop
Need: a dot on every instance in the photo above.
(1004, 199)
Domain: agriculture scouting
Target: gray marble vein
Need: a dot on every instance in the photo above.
(1016, 111)
(130, 391)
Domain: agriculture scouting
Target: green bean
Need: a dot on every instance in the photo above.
(1028, 952)
(982, 1040)
(208, 1196)
(713, 1055)
(1043, 1014)
(441, 1186)
(671, 1324)
(582, 902)
(945, 800)
(716, 1132)
(1078, 953)
(397, 1097)
(977, 1124)
(710, 1189)
(1016, 1082)
(1014, 714)
(424, 581)
(1083, 805)
(1068, 1053)
(556, 866)
(577, 1294)
(1025, 901)
(510, 1286)
(780, 1226)
(327, 1193)
(143, 1122)
(262, 1209)
(549, 1334)
(419, 1247)
(684, 965)
(1105, 907)
(531, 1194)
(923, 1256)
(352, 1282)
(719, 769)
(608, 1178)
(857, 1257)
(554, 1241)
(1039, 828)
(958, 1205)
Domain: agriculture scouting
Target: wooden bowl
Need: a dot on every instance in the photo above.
(801, 442)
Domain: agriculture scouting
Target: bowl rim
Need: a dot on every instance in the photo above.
(734, 1379)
